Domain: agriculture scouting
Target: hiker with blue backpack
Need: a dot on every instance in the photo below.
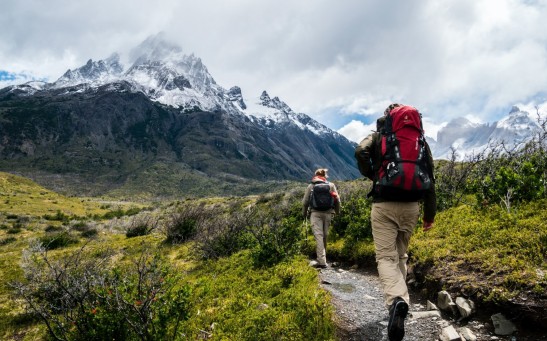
(321, 202)
(398, 160)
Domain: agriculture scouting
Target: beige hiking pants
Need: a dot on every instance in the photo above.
(392, 226)
(320, 222)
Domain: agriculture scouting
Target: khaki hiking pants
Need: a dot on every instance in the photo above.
(320, 222)
(392, 226)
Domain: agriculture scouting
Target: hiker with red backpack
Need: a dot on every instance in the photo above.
(321, 202)
(398, 161)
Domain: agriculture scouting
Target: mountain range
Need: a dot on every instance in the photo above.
(162, 126)
(468, 138)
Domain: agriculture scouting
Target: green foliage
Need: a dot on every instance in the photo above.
(511, 180)
(84, 298)
(58, 216)
(141, 225)
(277, 240)
(224, 234)
(354, 221)
(506, 249)
(8, 240)
(238, 301)
(182, 224)
(58, 240)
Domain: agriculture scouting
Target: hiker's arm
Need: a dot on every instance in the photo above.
(430, 198)
(337, 202)
(306, 202)
(363, 154)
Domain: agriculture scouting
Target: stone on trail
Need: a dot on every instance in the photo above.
(424, 314)
(450, 334)
(467, 334)
(431, 306)
(466, 307)
(444, 301)
(502, 326)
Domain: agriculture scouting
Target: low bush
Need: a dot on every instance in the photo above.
(224, 234)
(184, 222)
(8, 240)
(141, 225)
(84, 297)
(58, 240)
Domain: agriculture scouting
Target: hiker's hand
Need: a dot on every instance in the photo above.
(428, 225)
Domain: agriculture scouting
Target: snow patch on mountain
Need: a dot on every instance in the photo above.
(165, 74)
(468, 138)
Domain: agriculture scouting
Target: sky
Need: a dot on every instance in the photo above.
(341, 62)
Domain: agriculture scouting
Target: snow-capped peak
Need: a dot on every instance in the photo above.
(467, 138)
(162, 72)
(98, 72)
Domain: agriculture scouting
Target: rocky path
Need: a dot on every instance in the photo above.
(361, 314)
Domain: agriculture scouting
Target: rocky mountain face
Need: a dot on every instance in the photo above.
(162, 124)
(468, 138)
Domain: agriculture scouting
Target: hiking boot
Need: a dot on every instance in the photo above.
(397, 315)
(320, 266)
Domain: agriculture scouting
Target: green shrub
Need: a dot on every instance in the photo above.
(7, 240)
(82, 297)
(58, 240)
(141, 225)
(277, 240)
(89, 233)
(58, 216)
(14, 230)
(182, 224)
(224, 234)
(53, 228)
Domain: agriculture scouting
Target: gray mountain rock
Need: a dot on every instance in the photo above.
(106, 126)
(468, 138)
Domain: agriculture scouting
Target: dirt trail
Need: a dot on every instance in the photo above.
(361, 314)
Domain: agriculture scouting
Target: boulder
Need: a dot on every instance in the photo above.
(502, 326)
(467, 334)
(449, 334)
(465, 306)
(444, 302)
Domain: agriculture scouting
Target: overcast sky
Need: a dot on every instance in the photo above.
(341, 62)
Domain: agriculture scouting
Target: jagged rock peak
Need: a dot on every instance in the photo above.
(93, 71)
(264, 97)
(514, 109)
(235, 95)
(274, 103)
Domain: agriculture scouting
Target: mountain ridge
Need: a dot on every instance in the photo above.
(103, 125)
(468, 138)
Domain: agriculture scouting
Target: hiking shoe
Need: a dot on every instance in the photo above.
(396, 324)
(320, 266)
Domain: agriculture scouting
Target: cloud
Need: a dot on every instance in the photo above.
(356, 130)
(449, 59)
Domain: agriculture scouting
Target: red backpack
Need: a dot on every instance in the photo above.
(404, 173)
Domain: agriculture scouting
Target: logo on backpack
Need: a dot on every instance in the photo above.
(404, 169)
(320, 197)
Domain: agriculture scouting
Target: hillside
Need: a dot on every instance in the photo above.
(494, 257)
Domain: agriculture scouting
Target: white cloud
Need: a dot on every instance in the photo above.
(449, 59)
(356, 130)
